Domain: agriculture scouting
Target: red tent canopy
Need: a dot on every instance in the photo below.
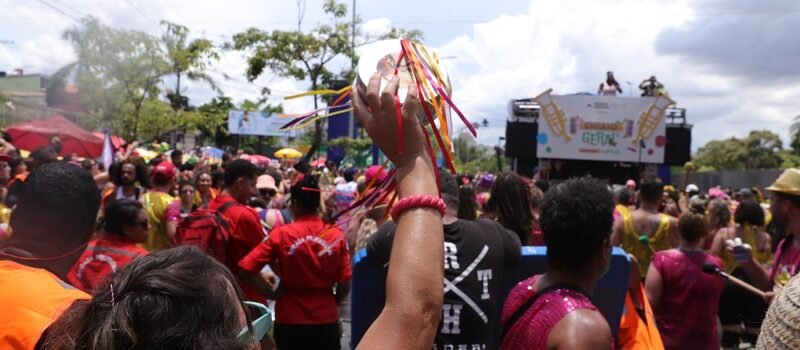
(38, 133)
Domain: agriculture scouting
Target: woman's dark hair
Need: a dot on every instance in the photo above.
(87, 164)
(749, 212)
(692, 226)
(467, 205)
(172, 299)
(119, 213)
(15, 162)
(303, 194)
(576, 219)
(200, 174)
(720, 213)
(509, 204)
(184, 183)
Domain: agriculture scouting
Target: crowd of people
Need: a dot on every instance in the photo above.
(172, 255)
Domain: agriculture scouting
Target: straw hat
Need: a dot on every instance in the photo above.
(781, 327)
(788, 183)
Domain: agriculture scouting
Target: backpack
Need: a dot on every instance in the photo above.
(208, 230)
(284, 218)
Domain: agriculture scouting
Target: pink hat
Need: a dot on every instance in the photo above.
(266, 181)
(375, 171)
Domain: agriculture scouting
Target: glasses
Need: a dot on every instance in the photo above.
(260, 326)
(144, 224)
(267, 192)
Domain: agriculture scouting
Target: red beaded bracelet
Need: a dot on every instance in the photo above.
(416, 201)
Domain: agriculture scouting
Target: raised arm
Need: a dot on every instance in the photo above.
(414, 291)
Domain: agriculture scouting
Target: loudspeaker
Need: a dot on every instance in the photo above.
(678, 149)
(521, 139)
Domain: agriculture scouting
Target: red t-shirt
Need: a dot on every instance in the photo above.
(102, 257)
(310, 258)
(246, 233)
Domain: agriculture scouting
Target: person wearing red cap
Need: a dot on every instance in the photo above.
(163, 210)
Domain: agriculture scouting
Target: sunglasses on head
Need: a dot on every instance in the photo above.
(267, 192)
(260, 325)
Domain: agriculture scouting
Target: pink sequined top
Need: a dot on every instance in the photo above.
(533, 327)
(686, 314)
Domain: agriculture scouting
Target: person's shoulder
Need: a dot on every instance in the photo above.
(581, 329)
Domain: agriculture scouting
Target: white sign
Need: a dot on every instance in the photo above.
(257, 123)
(606, 128)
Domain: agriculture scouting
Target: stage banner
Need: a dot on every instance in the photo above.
(257, 123)
(607, 128)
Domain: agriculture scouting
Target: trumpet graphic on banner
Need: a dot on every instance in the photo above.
(649, 119)
(553, 115)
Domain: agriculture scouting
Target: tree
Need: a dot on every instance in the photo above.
(759, 150)
(117, 71)
(355, 149)
(762, 147)
(302, 56)
(187, 59)
(795, 135)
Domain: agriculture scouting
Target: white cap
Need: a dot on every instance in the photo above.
(692, 188)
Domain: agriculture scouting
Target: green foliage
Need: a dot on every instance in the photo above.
(759, 150)
(306, 55)
(795, 135)
(117, 71)
(188, 58)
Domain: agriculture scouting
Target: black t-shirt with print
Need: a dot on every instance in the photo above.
(476, 256)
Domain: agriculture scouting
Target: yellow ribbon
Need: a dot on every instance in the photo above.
(317, 92)
(308, 121)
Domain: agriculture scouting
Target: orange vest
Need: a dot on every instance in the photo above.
(36, 299)
(634, 333)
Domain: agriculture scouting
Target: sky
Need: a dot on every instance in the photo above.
(733, 64)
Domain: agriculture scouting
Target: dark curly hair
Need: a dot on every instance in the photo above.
(576, 219)
(173, 299)
(749, 212)
(510, 205)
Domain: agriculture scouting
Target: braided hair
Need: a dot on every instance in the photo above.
(510, 205)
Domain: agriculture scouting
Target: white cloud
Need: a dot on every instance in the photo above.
(569, 44)
(376, 26)
(564, 44)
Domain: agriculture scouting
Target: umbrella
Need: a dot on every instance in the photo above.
(116, 141)
(146, 154)
(38, 133)
(286, 153)
(256, 159)
(319, 161)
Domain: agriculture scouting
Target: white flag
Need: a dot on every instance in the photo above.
(108, 150)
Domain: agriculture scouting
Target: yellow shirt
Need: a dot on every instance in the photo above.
(631, 243)
(155, 205)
